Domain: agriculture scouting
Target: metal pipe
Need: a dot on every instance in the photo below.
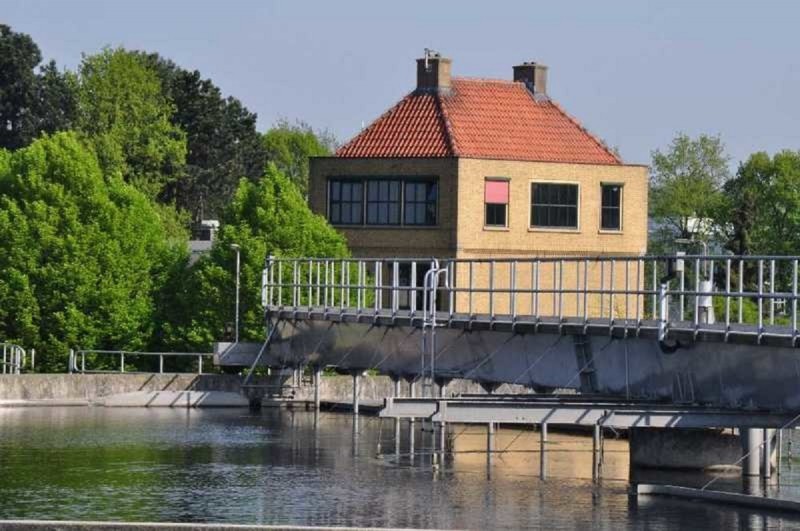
(543, 451)
(596, 453)
(396, 394)
(356, 391)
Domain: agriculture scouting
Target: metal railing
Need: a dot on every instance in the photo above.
(750, 295)
(78, 360)
(15, 358)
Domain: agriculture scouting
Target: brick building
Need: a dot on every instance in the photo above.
(472, 168)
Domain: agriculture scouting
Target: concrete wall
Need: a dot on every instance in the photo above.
(340, 388)
(95, 386)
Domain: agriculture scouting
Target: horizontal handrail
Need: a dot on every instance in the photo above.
(752, 291)
(75, 356)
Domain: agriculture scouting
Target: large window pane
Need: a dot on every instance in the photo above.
(383, 202)
(554, 205)
(611, 209)
(420, 203)
(346, 202)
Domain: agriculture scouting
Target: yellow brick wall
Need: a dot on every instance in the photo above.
(461, 233)
(474, 240)
(389, 241)
(580, 283)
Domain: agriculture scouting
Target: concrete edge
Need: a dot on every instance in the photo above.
(41, 525)
(744, 500)
(46, 402)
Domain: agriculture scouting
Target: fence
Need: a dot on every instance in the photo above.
(737, 294)
(78, 360)
(15, 358)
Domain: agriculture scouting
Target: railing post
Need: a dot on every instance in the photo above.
(121, 362)
(663, 302)
(199, 364)
(160, 364)
(71, 362)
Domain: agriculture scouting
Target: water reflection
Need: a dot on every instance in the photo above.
(285, 467)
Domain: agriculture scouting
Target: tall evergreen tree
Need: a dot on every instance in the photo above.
(223, 145)
(31, 103)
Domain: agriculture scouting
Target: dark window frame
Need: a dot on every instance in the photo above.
(431, 207)
(380, 201)
(341, 202)
(553, 205)
(604, 208)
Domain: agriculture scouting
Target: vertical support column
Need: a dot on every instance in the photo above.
(766, 454)
(356, 391)
(317, 378)
(490, 436)
(596, 453)
(396, 394)
(411, 394)
(751, 439)
(543, 451)
(779, 450)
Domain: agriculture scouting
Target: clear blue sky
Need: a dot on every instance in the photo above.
(633, 72)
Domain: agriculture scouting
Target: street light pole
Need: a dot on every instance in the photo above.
(236, 248)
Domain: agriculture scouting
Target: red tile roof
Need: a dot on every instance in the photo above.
(479, 118)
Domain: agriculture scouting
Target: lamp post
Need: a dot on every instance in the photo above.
(235, 247)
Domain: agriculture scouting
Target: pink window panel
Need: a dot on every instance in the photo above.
(496, 192)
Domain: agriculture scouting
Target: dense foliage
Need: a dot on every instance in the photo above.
(222, 142)
(127, 116)
(290, 145)
(268, 217)
(81, 255)
(686, 188)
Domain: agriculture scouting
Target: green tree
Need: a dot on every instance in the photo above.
(685, 186)
(81, 254)
(290, 145)
(268, 217)
(222, 141)
(125, 113)
(761, 214)
(31, 103)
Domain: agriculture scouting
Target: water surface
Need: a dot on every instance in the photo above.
(275, 467)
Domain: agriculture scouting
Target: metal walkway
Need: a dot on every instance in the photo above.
(750, 299)
(584, 410)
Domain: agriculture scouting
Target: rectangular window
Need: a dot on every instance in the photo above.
(611, 209)
(346, 205)
(495, 195)
(383, 202)
(554, 205)
(419, 203)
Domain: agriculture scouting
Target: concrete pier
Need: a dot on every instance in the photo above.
(679, 448)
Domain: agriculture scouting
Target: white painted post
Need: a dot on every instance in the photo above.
(543, 451)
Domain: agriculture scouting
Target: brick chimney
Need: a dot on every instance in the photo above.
(534, 75)
(433, 72)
